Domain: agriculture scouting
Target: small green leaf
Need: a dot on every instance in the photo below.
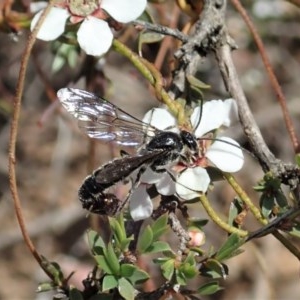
(54, 269)
(117, 230)
(72, 57)
(158, 246)
(295, 230)
(96, 242)
(45, 287)
(280, 199)
(209, 288)
(145, 239)
(75, 294)
(124, 245)
(133, 274)
(267, 203)
(109, 282)
(160, 226)
(195, 82)
(161, 260)
(190, 259)
(112, 259)
(236, 207)
(102, 264)
(228, 249)
(198, 223)
(214, 269)
(167, 269)
(58, 62)
(180, 277)
(126, 289)
(189, 271)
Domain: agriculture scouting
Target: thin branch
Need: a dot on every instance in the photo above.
(244, 197)
(274, 82)
(161, 29)
(206, 35)
(233, 85)
(215, 218)
(13, 138)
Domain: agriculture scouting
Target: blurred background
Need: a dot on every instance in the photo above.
(53, 156)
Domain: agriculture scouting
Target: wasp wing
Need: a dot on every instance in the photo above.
(100, 119)
(120, 168)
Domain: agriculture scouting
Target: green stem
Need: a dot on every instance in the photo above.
(214, 216)
(244, 197)
(155, 78)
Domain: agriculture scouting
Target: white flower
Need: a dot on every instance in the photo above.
(94, 34)
(223, 153)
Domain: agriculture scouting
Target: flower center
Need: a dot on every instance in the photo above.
(83, 8)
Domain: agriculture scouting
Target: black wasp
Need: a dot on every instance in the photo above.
(102, 120)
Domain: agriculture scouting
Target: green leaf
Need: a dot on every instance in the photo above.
(227, 250)
(167, 269)
(58, 62)
(145, 239)
(109, 282)
(209, 288)
(75, 294)
(124, 245)
(126, 289)
(295, 231)
(267, 203)
(281, 200)
(96, 242)
(117, 230)
(72, 57)
(45, 287)
(158, 246)
(180, 277)
(190, 259)
(112, 259)
(188, 270)
(102, 264)
(236, 207)
(198, 223)
(195, 82)
(133, 274)
(161, 260)
(54, 269)
(214, 269)
(160, 226)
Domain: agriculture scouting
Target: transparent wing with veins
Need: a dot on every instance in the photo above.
(102, 120)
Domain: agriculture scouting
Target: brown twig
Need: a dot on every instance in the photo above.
(167, 42)
(13, 139)
(233, 85)
(274, 82)
(295, 2)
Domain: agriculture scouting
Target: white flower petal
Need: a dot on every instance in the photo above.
(34, 7)
(124, 10)
(94, 36)
(160, 118)
(191, 181)
(213, 114)
(166, 186)
(140, 205)
(231, 115)
(151, 177)
(224, 156)
(54, 24)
